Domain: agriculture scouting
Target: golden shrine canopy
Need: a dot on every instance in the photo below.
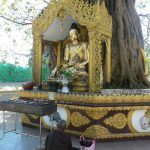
(53, 25)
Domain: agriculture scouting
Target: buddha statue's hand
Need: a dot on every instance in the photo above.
(79, 65)
(65, 65)
(53, 73)
(68, 65)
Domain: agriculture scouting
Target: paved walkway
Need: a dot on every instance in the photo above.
(10, 86)
(18, 142)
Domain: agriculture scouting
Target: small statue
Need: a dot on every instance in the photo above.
(76, 57)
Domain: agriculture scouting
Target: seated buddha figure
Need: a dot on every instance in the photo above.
(76, 57)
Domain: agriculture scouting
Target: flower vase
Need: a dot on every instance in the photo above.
(65, 88)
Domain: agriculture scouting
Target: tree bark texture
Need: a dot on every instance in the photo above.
(127, 67)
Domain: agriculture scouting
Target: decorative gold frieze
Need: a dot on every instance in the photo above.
(80, 10)
(79, 120)
(94, 98)
(104, 108)
(118, 121)
(33, 95)
(96, 114)
(110, 136)
(96, 131)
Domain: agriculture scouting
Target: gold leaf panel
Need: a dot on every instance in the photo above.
(118, 121)
(96, 131)
(79, 120)
(94, 114)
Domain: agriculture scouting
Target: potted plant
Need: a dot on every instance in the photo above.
(67, 74)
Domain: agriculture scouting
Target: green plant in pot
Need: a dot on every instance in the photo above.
(67, 74)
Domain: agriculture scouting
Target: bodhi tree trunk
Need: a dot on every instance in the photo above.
(127, 67)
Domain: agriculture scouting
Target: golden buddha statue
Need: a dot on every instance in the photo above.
(76, 57)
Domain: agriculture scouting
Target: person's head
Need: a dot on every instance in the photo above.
(61, 125)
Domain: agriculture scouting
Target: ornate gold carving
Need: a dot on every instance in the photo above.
(80, 10)
(96, 114)
(98, 63)
(87, 98)
(78, 120)
(96, 131)
(79, 86)
(62, 14)
(118, 121)
(104, 108)
(37, 59)
(110, 136)
(32, 94)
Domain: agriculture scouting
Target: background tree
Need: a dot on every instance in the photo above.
(127, 42)
(16, 18)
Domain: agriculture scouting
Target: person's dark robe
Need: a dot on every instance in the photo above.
(58, 140)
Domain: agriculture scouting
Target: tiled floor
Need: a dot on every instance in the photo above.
(18, 142)
(14, 141)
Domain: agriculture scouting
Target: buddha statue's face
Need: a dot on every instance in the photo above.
(73, 35)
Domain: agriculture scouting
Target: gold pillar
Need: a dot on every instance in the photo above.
(58, 52)
(91, 62)
(37, 65)
(108, 61)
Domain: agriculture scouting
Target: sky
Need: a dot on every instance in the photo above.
(146, 10)
(16, 52)
(20, 50)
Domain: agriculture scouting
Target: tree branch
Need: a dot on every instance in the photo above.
(26, 55)
(46, 2)
(146, 24)
(20, 23)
